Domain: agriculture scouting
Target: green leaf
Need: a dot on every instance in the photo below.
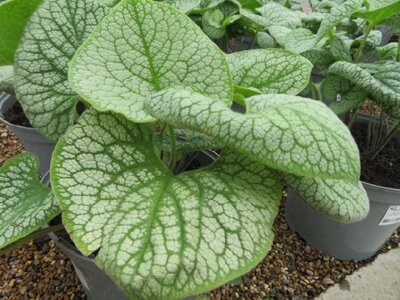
(374, 39)
(133, 54)
(349, 100)
(272, 71)
(184, 6)
(25, 204)
(14, 14)
(7, 79)
(109, 3)
(332, 86)
(382, 82)
(278, 15)
(341, 200)
(388, 51)
(340, 49)
(160, 236)
(379, 11)
(51, 38)
(288, 133)
(279, 33)
(264, 40)
(336, 15)
(320, 58)
(299, 40)
(212, 24)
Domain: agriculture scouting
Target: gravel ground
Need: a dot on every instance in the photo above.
(292, 269)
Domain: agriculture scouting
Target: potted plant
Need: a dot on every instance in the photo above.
(157, 91)
(357, 67)
(13, 18)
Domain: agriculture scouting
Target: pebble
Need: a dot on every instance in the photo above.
(291, 270)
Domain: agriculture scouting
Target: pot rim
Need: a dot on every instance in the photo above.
(3, 99)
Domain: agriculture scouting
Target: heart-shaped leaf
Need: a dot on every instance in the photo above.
(50, 40)
(25, 204)
(381, 81)
(14, 14)
(344, 201)
(133, 54)
(160, 236)
(272, 71)
(288, 133)
(340, 49)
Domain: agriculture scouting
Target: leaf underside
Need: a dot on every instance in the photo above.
(272, 71)
(160, 236)
(288, 133)
(143, 47)
(25, 204)
(56, 29)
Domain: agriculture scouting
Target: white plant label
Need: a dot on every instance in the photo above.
(392, 216)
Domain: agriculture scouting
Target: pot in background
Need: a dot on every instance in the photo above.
(356, 241)
(31, 139)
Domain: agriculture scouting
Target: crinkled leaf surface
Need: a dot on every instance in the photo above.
(14, 14)
(7, 79)
(50, 40)
(140, 48)
(273, 71)
(320, 58)
(336, 15)
(382, 82)
(341, 200)
(340, 49)
(160, 236)
(388, 51)
(25, 204)
(288, 133)
(278, 15)
(374, 39)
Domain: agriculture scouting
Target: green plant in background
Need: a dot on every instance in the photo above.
(146, 74)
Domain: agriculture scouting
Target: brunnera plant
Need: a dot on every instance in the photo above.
(147, 72)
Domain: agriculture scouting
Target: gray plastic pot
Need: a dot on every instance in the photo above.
(356, 241)
(96, 283)
(31, 139)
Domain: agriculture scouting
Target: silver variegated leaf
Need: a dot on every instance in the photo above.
(56, 29)
(276, 14)
(7, 79)
(25, 204)
(160, 236)
(140, 48)
(288, 133)
(272, 71)
(381, 81)
(342, 200)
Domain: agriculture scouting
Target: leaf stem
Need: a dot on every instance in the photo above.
(362, 44)
(388, 138)
(37, 234)
(172, 140)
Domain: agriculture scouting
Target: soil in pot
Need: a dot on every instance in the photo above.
(384, 170)
(15, 115)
